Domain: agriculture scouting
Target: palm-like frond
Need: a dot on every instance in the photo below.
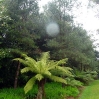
(29, 84)
(47, 73)
(39, 77)
(21, 61)
(30, 61)
(57, 79)
(53, 64)
(64, 70)
(62, 61)
(26, 69)
(23, 56)
(45, 57)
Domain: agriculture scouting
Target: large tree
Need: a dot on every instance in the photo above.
(21, 29)
(72, 41)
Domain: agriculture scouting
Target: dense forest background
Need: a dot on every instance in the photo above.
(23, 30)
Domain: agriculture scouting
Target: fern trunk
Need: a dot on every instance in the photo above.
(41, 90)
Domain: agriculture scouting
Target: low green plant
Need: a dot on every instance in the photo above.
(72, 91)
(56, 91)
(53, 91)
(93, 74)
(72, 82)
(85, 77)
(12, 93)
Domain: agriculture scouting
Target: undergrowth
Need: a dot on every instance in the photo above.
(53, 91)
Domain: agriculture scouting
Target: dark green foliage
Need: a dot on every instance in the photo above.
(72, 82)
(93, 74)
(8, 68)
(86, 77)
(17, 30)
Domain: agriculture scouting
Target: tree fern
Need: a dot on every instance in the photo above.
(43, 68)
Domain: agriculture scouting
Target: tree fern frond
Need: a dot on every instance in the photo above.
(26, 69)
(53, 64)
(59, 73)
(29, 84)
(30, 60)
(57, 79)
(45, 56)
(24, 56)
(39, 77)
(21, 61)
(62, 71)
(68, 68)
(62, 61)
(48, 73)
(65, 70)
(27, 63)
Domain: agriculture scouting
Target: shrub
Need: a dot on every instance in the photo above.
(85, 77)
(93, 74)
(73, 82)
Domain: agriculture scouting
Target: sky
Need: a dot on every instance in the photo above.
(87, 16)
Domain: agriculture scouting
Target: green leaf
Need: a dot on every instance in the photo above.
(39, 77)
(45, 56)
(63, 61)
(65, 70)
(21, 61)
(26, 69)
(57, 79)
(29, 84)
(30, 60)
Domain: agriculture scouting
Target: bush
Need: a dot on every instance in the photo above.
(86, 77)
(94, 74)
(73, 82)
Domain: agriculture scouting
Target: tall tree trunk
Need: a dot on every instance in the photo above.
(41, 91)
(16, 76)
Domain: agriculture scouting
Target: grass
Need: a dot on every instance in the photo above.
(53, 91)
(11, 93)
(91, 91)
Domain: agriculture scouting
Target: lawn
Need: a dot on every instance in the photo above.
(91, 91)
